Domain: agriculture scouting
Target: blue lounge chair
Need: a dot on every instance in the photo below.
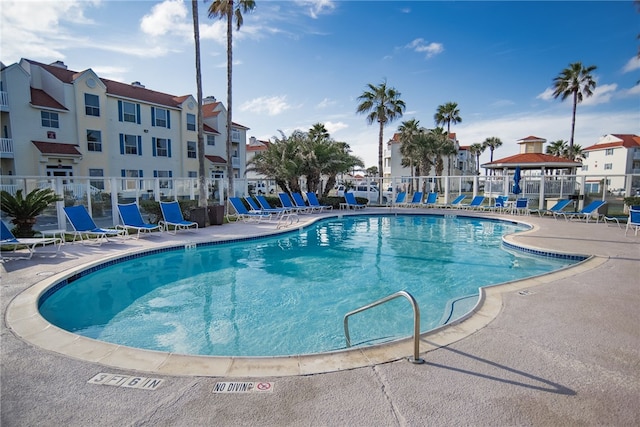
(431, 200)
(586, 213)
(255, 207)
(351, 201)
(476, 203)
(265, 205)
(521, 206)
(288, 203)
(300, 203)
(400, 199)
(455, 203)
(499, 205)
(8, 240)
(86, 229)
(313, 201)
(132, 219)
(244, 214)
(172, 217)
(559, 206)
(634, 220)
(416, 200)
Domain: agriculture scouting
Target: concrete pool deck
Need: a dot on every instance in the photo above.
(564, 349)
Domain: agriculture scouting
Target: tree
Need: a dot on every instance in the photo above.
(447, 114)
(407, 133)
(227, 9)
(557, 148)
(476, 150)
(576, 82)
(24, 210)
(382, 104)
(443, 147)
(492, 143)
(202, 189)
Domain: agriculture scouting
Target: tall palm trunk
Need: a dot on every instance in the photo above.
(380, 146)
(229, 90)
(573, 124)
(202, 188)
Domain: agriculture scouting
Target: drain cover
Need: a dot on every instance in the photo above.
(525, 292)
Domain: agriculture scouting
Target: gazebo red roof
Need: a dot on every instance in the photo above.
(532, 161)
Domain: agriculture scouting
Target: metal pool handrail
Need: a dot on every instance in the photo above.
(416, 321)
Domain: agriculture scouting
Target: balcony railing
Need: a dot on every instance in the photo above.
(4, 100)
(235, 162)
(6, 147)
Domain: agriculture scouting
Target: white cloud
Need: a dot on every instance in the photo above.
(325, 103)
(167, 17)
(634, 91)
(317, 7)
(335, 127)
(36, 29)
(272, 106)
(632, 64)
(420, 45)
(601, 95)
(547, 95)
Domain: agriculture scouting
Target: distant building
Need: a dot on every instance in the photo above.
(613, 156)
(58, 122)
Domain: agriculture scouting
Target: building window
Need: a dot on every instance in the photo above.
(94, 140)
(192, 152)
(161, 147)
(128, 112)
(211, 140)
(49, 119)
(99, 184)
(608, 152)
(130, 144)
(164, 183)
(585, 155)
(235, 135)
(192, 174)
(191, 122)
(608, 166)
(131, 184)
(91, 105)
(160, 118)
(585, 168)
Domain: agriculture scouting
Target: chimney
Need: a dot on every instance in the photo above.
(59, 64)
(137, 84)
(209, 100)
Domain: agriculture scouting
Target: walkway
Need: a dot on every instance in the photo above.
(559, 352)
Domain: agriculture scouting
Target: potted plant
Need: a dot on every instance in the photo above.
(24, 210)
(630, 201)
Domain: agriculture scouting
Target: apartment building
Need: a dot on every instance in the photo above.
(453, 165)
(613, 156)
(59, 122)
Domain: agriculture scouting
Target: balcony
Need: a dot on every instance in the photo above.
(235, 162)
(6, 147)
(4, 101)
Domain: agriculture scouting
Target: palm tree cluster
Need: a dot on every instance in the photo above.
(560, 148)
(311, 155)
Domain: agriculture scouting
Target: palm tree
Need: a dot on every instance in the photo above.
(202, 194)
(575, 81)
(476, 150)
(407, 133)
(557, 148)
(382, 104)
(446, 114)
(230, 10)
(492, 143)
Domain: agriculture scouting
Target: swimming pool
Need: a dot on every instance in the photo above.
(288, 294)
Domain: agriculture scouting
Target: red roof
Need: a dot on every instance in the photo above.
(533, 160)
(41, 98)
(215, 159)
(531, 138)
(57, 148)
(628, 141)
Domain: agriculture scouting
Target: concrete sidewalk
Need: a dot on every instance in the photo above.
(565, 352)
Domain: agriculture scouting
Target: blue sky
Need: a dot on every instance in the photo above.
(297, 63)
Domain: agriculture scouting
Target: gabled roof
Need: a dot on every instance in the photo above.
(531, 138)
(209, 129)
(57, 148)
(625, 140)
(40, 98)
(532, 161)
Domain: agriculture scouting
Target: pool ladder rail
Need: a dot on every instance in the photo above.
(416, 321)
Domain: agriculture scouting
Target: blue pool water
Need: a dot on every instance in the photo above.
(288, 294)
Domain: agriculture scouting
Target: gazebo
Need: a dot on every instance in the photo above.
(534, 166)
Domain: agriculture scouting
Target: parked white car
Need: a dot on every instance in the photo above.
(366, 191)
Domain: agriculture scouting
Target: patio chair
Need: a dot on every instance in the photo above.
(313, 201)
(520, 206)
(416, 200)
(172, 217)
(456, 203)
(586, 213)
(431, 200)
(8, 240)
(300, 203)
(255, 207)
(559, 206)
(476, 203)
(265, 205)
(245, 215)
(634, 220)
(288, 203)
(132, 219)
(86, 229)
(351, 201)
(400, 198)
(500, 204)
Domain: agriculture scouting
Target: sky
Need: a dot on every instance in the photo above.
(301, 62)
